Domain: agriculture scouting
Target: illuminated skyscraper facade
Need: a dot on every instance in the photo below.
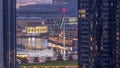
(97, 35)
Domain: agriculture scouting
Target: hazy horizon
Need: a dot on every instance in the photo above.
(34, 1)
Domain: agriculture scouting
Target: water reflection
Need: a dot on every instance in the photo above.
(41, 47)
(34, 47)
(32, 43)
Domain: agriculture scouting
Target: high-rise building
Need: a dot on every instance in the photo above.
(118, 35)
(97, 35)
(1, 34)
(7, 34)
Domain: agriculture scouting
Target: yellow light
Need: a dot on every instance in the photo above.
(22, 56)
(117, 33)
(83, 15)
(81, 11)
(91, 39)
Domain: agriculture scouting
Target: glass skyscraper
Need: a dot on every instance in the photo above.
(97, 35)
(7, 34)
(1, 34)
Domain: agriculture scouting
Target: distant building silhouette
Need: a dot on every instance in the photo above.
(37, 10)
(64, 2)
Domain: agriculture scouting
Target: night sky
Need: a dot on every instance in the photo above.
(37, 1)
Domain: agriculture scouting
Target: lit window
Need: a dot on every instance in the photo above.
(81, 11)
(91, 39)
(79, 16)
(83, 15)
(91, 48)
(117, 38)
(117, 33)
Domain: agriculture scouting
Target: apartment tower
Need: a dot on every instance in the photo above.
(96, 33)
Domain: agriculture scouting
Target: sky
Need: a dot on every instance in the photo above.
(45, 1)
(37, 1)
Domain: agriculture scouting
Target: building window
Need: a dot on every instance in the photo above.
(117, 33)
(82, 11)
(83, 15)
(117, 38)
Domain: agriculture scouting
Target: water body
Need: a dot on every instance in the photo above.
(38, 47)
(32, 43)
(34, 47)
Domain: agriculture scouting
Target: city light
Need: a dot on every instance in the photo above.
(64, 10)
(49, 32)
